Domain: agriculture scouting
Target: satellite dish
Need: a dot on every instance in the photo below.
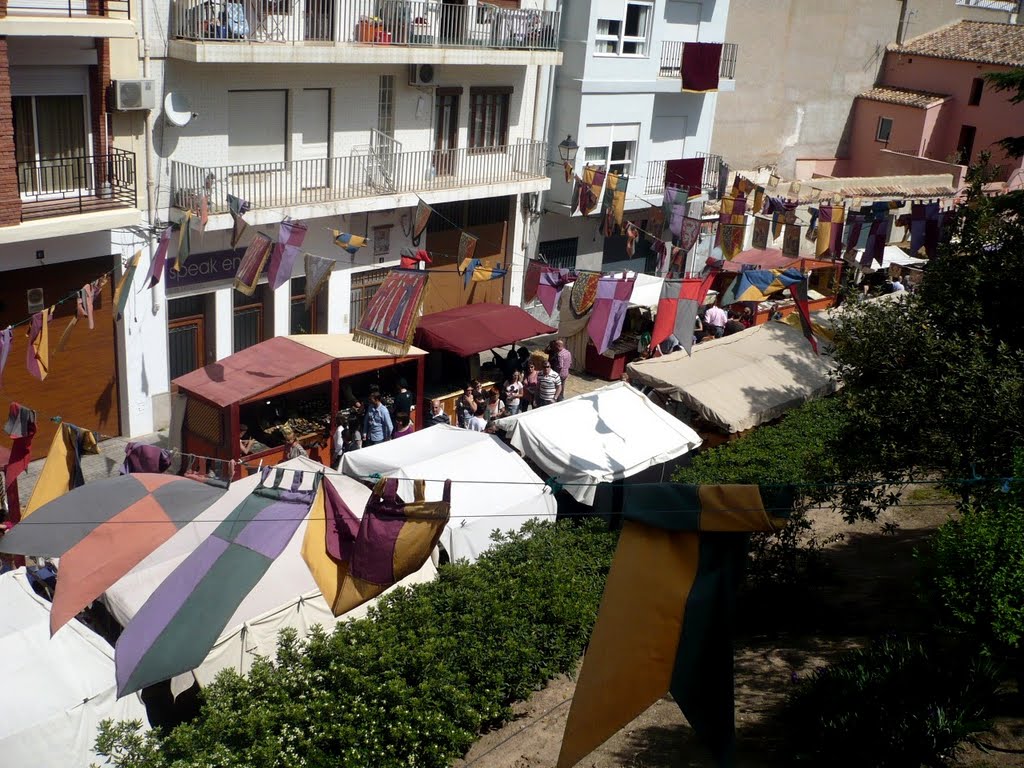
(177, 110)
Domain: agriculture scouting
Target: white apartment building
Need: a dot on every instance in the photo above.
(618, 96)
(341, 114)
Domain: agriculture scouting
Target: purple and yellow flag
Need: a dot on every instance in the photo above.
(731, 207)
(590, 194)
(667, 617)
(353, 560)
(348, 242)
(830, 231)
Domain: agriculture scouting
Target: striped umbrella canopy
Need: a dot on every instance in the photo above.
(177, 626)
(102, 530)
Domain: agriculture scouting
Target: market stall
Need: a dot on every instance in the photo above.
(823, 280)
(599, 437)
(456, 337)
(301, 382)
(492, 487)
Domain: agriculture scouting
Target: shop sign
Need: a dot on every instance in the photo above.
(217, 266)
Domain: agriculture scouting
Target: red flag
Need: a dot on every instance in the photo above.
(799, 293)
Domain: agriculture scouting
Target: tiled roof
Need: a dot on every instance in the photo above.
(903, 96)
(982, 41)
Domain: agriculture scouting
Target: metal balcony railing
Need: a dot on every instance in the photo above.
(416, 23)
(72, 9)
(76, 184)
(709, 182)
(712, 180)
(655, 177)
(369, 172)
(672, 59)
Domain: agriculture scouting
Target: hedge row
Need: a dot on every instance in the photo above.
(415, 682)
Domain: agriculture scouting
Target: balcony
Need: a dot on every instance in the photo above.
(362, 32)
(672, 57)
(67, 18)
(376, 177)
(709, 183)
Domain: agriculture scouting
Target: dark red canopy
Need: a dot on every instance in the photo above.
(477, 327)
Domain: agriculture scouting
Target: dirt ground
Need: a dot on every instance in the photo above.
(869, 586)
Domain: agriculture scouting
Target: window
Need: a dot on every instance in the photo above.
(247, 326)
(560, 253)
(301, 320)
(622, 157)
(626, 36)
(257, 126)
(50, 143)
(488, 117)
(386, 105)
(977, 86)
(884, 130)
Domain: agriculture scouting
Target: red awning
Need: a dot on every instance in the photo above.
(477, 327)
(253, 370)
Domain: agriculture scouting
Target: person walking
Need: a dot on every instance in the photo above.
(377, 426)
(714, 320)
(549, 386)
(562, 364)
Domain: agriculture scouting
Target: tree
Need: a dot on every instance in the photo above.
(1010, 81)
(935, 382)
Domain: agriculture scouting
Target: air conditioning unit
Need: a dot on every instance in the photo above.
(421, 75)
(35, 301)
(134, 94)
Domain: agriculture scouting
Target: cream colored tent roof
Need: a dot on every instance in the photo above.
(343, 346)
(740, 381)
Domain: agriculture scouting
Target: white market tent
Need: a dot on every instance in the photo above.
(646, 291)
(56, 689)
(744, 380)
(498, 490)
(609, 434)
(891, 256)
(286, 597)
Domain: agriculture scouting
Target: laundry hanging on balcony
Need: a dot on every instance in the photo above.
(290, 235)
(700, 65)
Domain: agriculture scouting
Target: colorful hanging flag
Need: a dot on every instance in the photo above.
(237, 207)
(251, 265)
(686, 174)
(353, 560)
(466, 268)
(798, 291)
(85, 302)
(934, 219)
(290, 235)
(467, 247)
(124, 285)
(667, 617)
(318, 274)
(391, 317)
(874, 248)
(37, 356)
(758, 203)
(742, 186)
(6, 342)
(699, 67)
(853, 231)
(484, 273)
(631, 235)
(812, 231)
(156, 269)
(590, 195)
(184, 242)
(177, 626)
(567, 167)
(420, 221)
(677, 261)
(411, 259)
(677, 309)
(830, 231)
(760, 236)
(609, 312)
(661, 251)
(615, 198)
(732, 234)
(731, 207)
(583, 293)
(532, 280)
(574, 200)
(549, 286)
(791, 241)
(62, 470)
(348, 242)
(921, 214)
(759, 284)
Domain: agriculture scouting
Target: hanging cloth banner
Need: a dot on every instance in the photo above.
(124, 285)
(933, 231)
(184, 242)
(202, 212)
(689, 234)
(874, 248)
(348, 242)
(732, 235)
(549, 286)
(86, 298)
(251, 265)
(62, 470)
(466, 268)
(290, 235)
(467, 247)
(391, 317)
(532, 279)
(37, 356)
(318, 274)
(853, 231)
(921, 215)
(798, 291)
(631, 235)
(760, 236)
(730, 207)
(686, 175)
(830, 231)
(574, 201)
(583, 294)
(667, 616)
(411, 259)
(791, 241)
(420, 221)
(677, 261)
(6, 342)
(677, 309)
(482, 274)
(619, 199)
(609, 313)
(567, 167)
(156, 269)
(590, 195)
(353, 560)
(700, 66)
(661, 251)
(758, 203)
(742, 186)
(237, 207)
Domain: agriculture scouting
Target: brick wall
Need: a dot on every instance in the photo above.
(99, 88)
(10, 199)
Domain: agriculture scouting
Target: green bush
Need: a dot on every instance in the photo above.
(793, 451)
(415, 682)
(895, 704)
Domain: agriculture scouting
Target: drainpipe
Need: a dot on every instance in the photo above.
(542, 129)
(150, 185)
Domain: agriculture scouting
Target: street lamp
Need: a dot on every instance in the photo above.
(567, 149)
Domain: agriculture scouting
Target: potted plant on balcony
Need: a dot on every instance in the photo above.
(369, 29)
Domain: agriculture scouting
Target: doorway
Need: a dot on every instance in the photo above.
(965, 144)
(313, 124)
(186, 342)
(50, 142)
(446, 130)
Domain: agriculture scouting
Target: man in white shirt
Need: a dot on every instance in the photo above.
(478, 421)
(549, 386)
(715, 319)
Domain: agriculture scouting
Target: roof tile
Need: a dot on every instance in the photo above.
(903, 96)
(981, 41)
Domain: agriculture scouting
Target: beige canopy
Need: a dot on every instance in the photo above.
(740, 381)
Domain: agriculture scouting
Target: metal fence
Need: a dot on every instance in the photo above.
(106, 9)
(308, 182)
(672, 59)
(369, 22)
(77, 183)
(712, 180)
(655, 177)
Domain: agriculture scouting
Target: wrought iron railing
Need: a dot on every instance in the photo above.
(77, 184)
(712, 179)
(308, 182)
(655, 177)
(72, 9)
(417, 23)
(672, 59)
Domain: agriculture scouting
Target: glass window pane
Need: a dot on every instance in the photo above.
(636, 20)
(595, 154)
